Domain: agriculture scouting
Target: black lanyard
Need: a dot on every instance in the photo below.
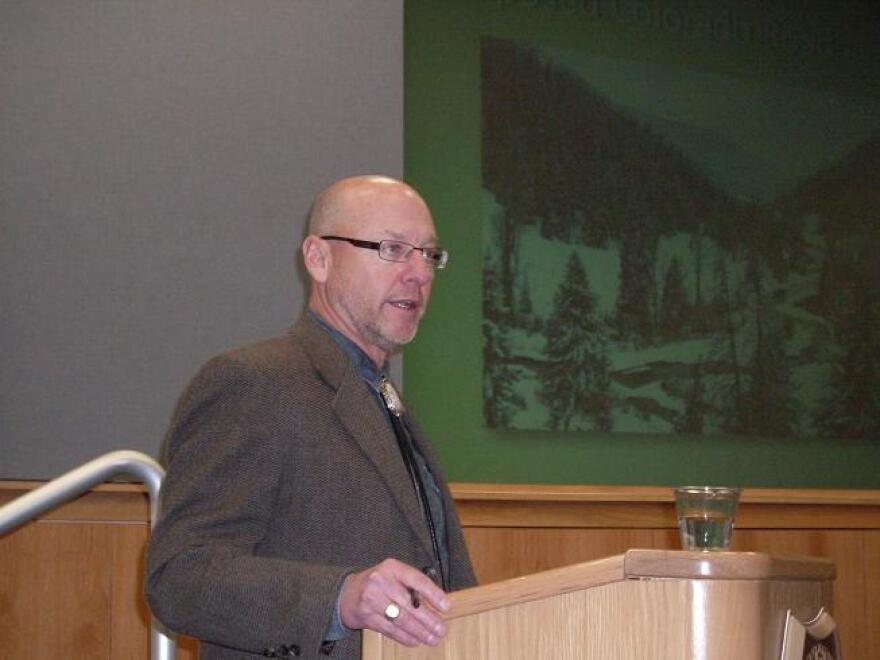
(407, 451)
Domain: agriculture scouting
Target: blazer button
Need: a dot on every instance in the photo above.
(431, 572)
(270, 652)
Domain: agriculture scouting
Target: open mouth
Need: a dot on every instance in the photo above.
(407, 305)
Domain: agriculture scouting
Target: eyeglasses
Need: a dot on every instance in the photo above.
(398, 250)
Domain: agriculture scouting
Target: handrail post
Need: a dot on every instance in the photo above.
(74, 483)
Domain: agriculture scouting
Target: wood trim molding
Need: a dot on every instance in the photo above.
(464, 491)
(530, 505)
(109, 487)
(116, 503)
(652, 507)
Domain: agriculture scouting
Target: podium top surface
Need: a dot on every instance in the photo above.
(723, 566)
(640, 565)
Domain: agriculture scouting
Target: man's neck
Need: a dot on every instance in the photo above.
(364, 363)
(333, 320)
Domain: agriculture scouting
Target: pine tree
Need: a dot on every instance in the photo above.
(727, 395)
(492, 305)
(698, 319)
(674, 310)
(636, 297)
(575, 382)
(852, 407)
(524, 303)
(770, 405)
(500, 400)
(693, 417)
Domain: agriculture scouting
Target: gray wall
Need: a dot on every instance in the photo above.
(158, 158)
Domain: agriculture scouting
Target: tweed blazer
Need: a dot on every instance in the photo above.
(284, 476)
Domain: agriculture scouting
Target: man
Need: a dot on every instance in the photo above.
(301, 503)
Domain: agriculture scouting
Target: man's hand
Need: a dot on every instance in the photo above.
(367, 594)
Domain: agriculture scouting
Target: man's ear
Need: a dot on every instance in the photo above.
(317, 257)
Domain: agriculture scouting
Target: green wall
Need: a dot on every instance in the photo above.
(823, 46)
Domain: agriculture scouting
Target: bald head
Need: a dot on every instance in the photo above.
(334, 207)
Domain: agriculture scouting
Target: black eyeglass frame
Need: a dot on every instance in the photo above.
(437, 257)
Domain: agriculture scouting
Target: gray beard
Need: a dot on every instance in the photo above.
(387, 344)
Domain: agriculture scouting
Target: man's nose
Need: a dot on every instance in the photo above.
(419, 268)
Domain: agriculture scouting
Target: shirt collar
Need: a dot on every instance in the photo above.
(362, 362)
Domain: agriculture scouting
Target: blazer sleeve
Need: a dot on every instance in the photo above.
(205, 576)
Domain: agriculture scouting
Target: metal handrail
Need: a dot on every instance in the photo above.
(74, 483)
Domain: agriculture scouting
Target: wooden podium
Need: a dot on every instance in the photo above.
(642, 605)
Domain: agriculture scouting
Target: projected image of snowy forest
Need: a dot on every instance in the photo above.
(648, 270)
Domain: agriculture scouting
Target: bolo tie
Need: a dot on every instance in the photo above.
(396, 410)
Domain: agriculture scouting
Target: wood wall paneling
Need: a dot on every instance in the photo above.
(129, 613)
(72, 583)
(54, 592)
(872, 592)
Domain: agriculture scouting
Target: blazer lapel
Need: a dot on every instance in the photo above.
(370, 428)
(360, 414)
